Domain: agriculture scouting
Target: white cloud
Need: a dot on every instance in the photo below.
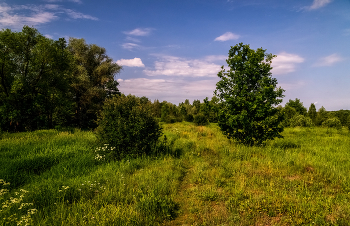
(172, 90)
(212, 58)
(285, 63)
(19, 15)
(176, 66)
(328, 60)
(49, 36)
(76, 15)
(136, 62)
(139, 32)
(319, 3)
(130, 46)
(227, 36)
(132, 39)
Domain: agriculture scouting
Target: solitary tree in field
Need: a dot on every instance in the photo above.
(249, 95)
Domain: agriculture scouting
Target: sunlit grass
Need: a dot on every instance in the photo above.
(204, 179)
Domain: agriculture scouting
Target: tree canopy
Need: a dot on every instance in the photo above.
(44, 82)
(249, 95)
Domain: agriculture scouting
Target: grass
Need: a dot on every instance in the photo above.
(205, 179)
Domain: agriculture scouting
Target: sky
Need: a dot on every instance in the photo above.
(173, 49)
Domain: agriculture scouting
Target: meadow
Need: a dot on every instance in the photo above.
(52, 177)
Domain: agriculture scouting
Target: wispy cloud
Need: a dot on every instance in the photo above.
(139, 32)
(173, 90)
(136, 62)
(76, 1)
(319, 4)
(130, 46)
(285, 63)
(328, 60)
(17, 16)
(176, 66)
(227, 36)
(76, 15)
(132, 39)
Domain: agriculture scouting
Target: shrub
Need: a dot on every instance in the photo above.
(348, 122)
(189, 118)
(300, 120)
(332, 123)
(127, 127)
(201, 120)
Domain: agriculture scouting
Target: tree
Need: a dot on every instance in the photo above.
(321, 116)
(35, 77)
(312, 112)
(248, 94)
(297, 105)
(93, 80)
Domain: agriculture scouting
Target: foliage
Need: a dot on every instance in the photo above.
(128, 126)
(288, 113)
(297, 105)
(248, 94)
(301, 120)
(201, 120)
(348, 123)
(312, 112)
(93, 80)
(321, 116)
(342, 115)
(332, 123)
(35, 78)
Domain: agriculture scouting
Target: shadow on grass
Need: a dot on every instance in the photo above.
(19, 171)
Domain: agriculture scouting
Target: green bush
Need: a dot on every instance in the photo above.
(332, 123)
(189, 118)
(200, 120)
(127, 127)
(300, 120)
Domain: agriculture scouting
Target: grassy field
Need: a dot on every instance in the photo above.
(204, 179)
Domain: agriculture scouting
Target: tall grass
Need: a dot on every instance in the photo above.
(204, 179)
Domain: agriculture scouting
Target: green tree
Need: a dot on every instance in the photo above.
(298, 106)
(127, 127)
(321, 116)
(35, 78)
(312, 112)
(93, 80)
(249, 95)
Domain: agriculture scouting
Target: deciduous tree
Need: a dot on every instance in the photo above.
(249, 95)
(93, 80)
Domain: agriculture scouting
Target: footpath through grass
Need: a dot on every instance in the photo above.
(303, 179)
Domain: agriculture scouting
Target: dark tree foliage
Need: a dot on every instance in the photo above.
(312, 112)
(34, 80)
(93, 80)
(322, 116)
(249, 95)
(298, 106)
(128, 126)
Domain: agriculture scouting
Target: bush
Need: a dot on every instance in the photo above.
(200, 120)
(332, 123)
(189, 118)
(127, 127)
(300, 120)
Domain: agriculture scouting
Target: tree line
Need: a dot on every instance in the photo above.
(46, 83)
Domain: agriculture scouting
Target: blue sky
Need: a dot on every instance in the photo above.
(173, 49)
